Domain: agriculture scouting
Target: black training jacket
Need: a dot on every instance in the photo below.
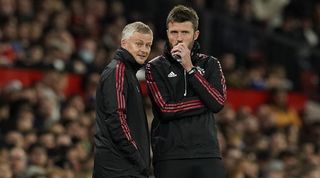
(183, 106)
(121, 138)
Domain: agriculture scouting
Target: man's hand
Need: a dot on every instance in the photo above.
(183, 52)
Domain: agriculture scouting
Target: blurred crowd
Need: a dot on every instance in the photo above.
(46, 134)
(267, 43)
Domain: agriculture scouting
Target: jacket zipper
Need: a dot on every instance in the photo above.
(185, 83)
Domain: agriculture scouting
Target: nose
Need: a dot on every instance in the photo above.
(179, 39)
(144, 49)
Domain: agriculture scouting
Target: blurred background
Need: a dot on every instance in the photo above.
(52, 53)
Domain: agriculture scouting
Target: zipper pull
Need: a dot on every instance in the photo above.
(185, 83)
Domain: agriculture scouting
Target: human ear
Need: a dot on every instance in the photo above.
(196, 35)
(123, 43)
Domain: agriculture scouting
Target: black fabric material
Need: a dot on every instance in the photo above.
(190, 168)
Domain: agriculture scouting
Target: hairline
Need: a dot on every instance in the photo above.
(171, 18)
(131, 28)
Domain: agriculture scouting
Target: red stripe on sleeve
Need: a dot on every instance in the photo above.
(212, 91)
(122, 103)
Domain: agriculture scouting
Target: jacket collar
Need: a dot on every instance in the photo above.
(124, 55)
(195, 49)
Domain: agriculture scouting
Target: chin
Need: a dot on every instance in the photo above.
(142, 61)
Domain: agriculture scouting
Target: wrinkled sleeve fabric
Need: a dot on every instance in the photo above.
(165, 104)
(210, 87)
(115, 89)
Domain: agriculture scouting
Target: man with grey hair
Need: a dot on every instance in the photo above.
(121, 136)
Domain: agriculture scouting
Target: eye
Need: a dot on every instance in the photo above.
(173, 32)
(139, 44)
(148, 45)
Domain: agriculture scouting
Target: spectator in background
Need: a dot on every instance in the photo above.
(275, 174)
(284, 115)
(186, 88)
(4, 117)
(87, 51)
(38, 160)
(235, 77)
(18, 162)
(122, 137)
(307, 32)
(256, 78)
(9, 46)
(277, 78)
(269, 11)
(14, 139)
(30, 138)
(310, 171)
(5, 170)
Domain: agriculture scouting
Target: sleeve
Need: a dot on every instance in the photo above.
(210, 89)
(115, 91)
(168, 108)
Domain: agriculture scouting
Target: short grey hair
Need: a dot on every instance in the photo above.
(140, 27)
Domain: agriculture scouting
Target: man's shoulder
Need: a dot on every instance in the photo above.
(159, 60)
(112, 68)
(208, 59)
(202, 56)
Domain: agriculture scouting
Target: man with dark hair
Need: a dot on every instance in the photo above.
(186, 88)
(121, 139)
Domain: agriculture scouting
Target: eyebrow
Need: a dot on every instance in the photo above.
(139, 40)
(179, 30)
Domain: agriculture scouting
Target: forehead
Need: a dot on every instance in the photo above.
(180, 25)
(146, 37)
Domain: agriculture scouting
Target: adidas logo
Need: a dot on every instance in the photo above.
(172, 74)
